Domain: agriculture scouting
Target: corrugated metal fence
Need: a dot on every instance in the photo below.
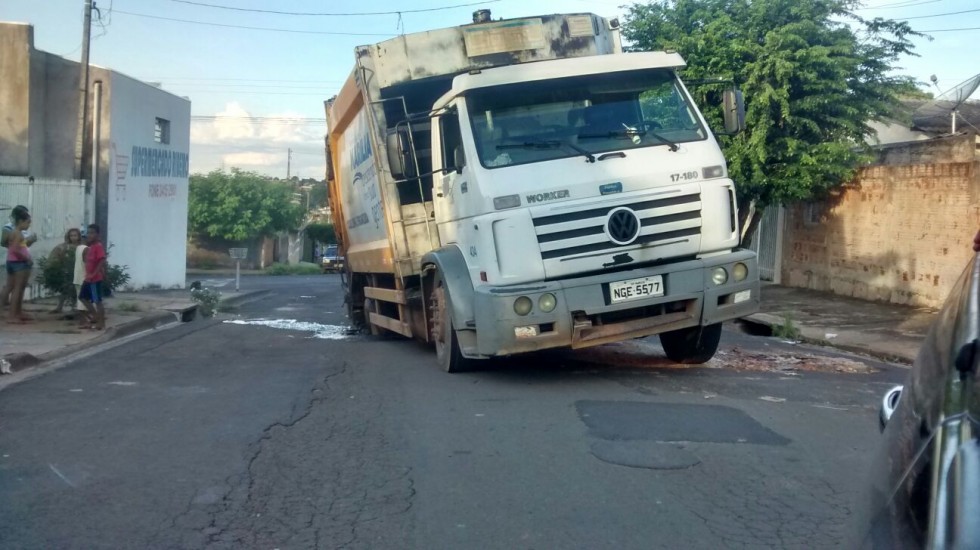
(767, 243)
(55, 206)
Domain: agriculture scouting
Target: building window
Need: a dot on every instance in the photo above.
(161, 131)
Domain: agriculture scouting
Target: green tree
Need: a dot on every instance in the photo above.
(814, 76)
(240, 205)
(322, 232)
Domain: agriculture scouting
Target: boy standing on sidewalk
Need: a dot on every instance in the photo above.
(95, 263)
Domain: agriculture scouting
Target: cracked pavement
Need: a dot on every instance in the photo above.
(213, 435)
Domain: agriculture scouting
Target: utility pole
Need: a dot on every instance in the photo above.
(83, 92)
(289, 162)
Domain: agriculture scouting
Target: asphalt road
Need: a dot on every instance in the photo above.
(268, 434)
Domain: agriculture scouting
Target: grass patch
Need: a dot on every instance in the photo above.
(787, 330)
(129, 306)
(302, 268)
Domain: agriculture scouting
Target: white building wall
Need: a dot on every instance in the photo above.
(148, 183)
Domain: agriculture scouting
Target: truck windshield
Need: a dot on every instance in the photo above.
(578, 115)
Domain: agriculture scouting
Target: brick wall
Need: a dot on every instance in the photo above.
(900, 233)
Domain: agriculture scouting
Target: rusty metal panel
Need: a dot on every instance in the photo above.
(460, 49)
(506, 36)
(417, 56)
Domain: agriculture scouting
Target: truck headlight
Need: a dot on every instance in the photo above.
(523, 306)
(719, 276)
(740, 272)
(711, 172)
(547, 302)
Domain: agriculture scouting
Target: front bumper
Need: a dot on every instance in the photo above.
(585, 316)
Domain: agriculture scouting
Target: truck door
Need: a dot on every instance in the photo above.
(449, 182)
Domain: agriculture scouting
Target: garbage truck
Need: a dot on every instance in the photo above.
(514, 185)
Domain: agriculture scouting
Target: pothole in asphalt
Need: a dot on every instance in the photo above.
(321, 331)
(643, 454)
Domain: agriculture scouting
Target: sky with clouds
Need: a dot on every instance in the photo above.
(231, 74)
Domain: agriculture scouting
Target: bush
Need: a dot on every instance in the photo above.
(207, 300)
(117, 276)
(57, 273)
(302, 268)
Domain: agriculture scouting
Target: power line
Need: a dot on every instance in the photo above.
(900, 5)
(332, 14)
(205, 78)
(322, 94)
(210, 24)
(937, 15)
(217, 86)
(257, 118)
(951, 30)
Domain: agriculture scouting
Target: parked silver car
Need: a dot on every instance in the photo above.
(925, 479)
(332, 261)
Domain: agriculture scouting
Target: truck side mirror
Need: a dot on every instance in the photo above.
(400, 155)
(888, 405)
(459, 159)
(733, 104)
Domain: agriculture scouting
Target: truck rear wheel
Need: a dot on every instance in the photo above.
(443, 334)
(692, 346)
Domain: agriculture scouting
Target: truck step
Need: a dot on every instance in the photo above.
(385, 294)
(393, 325)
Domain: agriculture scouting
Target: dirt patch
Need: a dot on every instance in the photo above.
(786, 362)
(638, 354)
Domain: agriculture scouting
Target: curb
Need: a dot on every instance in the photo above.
(239, 298)
(771, 321)
(223, 272)
(23, 361)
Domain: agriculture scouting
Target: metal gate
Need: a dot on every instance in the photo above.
(55, 206)
(768, 243)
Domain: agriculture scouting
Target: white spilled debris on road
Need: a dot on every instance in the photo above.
(324, 332)
(772, 399)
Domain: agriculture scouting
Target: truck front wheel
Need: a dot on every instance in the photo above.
(692, 346)
(442, 332)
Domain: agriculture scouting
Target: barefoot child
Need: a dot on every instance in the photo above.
(95, 265)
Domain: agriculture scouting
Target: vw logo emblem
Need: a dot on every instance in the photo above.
(622, 226)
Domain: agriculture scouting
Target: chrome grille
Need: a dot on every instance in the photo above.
(584, 231)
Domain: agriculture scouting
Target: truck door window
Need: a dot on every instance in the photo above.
(451, 138)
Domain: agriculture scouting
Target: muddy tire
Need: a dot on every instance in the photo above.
(443, 333)
(692, 346)
(375, 330)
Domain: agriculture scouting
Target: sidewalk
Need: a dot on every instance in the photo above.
(885, 331)
(53, 336)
